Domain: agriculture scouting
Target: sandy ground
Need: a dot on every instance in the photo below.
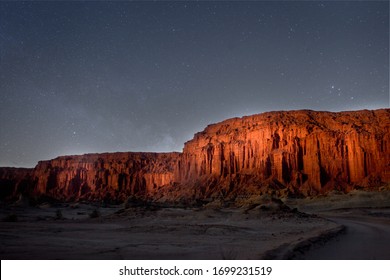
(166, 233)
(67, 231)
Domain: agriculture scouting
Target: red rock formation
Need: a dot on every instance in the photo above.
(110, 176)
(14, 181)
(307, 151)
(303, 152)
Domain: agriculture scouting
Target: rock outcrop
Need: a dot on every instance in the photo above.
(285, 152)
(306, 151)
(110, 176)
(14, 181)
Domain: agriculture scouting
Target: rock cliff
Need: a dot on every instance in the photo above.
(304, 152)
(14, 181)
(285, 152)
(110, 176)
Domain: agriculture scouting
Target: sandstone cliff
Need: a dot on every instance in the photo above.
(110, 176)
(302, 152)
(14, 181)
(309, 152)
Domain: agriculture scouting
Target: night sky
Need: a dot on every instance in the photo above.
(83, 77)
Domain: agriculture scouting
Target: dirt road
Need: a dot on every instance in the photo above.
(367, 236)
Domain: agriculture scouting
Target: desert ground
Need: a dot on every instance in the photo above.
(338, 226)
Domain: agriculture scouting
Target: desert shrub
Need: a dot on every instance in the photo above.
(59, 215)
(95, 214)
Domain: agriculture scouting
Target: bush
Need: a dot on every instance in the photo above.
(59, 215)
(95, 214)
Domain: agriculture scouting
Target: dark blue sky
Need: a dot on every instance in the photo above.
(82, 77)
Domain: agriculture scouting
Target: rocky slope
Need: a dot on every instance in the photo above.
(293, 152)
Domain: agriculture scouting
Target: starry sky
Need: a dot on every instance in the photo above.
(84, 77)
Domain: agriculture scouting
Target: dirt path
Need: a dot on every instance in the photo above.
(366, 237)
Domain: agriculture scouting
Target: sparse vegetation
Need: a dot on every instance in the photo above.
(95, 214)
(59, 215)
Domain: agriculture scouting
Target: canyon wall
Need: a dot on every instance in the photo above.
(14, 181)
(293, 152)
(306, 151)
(110, 176)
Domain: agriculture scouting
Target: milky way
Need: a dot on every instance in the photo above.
(82, 77)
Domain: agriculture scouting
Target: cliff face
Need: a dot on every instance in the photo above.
(14, 181)
(308, 152)
(111, 176)
(303, 152)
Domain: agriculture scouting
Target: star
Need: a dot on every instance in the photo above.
(128, 68)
